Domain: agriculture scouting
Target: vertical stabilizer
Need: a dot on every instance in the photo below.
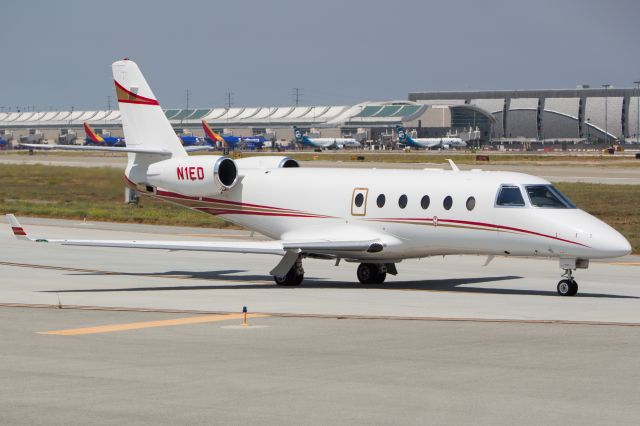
(298, 136)
(91, 134)
(208, 132)
(143, 121)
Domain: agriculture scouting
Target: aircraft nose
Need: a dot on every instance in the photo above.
(615, 245)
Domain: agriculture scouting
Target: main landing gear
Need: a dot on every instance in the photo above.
(567, 286)
(292, 278)
(375, 273)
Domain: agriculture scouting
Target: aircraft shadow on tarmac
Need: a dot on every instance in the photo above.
(246, 282)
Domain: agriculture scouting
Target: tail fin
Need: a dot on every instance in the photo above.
(91, 134)
(402, 134)
(143, 121)
(208, 131)
(18, 230)
(297, 134)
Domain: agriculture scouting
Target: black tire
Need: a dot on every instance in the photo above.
(573, 288)
(292, 279)
(379, 278)
(565, 286)
(367, 273)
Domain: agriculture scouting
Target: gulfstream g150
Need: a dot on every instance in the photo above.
(374, 217)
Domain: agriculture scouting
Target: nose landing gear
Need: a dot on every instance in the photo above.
(567, 286)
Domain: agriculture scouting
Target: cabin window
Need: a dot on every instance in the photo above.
(402, 201)
(424, 202)
(548, 196)
(381, 200)
(510, 196)
(471, 203)
(359, 200)
(448, 202)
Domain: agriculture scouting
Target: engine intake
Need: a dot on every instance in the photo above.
(226, 171)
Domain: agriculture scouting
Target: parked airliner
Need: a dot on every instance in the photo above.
(428, 143)
(230, 141)
(374, 217)
(324, 143)
(94, 138)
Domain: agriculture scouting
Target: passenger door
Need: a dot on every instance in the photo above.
(359, 201)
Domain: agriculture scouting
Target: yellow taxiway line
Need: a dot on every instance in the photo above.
(149, 324)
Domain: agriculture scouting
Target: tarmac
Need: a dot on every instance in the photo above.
(110, 336)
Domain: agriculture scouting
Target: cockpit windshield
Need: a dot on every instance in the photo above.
(510, 196)
(548, 196)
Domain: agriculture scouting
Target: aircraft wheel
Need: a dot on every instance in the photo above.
(369, 273)
(292, 279)
(380, 277)
(567, 288)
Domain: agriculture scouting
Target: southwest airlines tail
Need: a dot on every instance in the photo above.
(92, 135)
(209, 133)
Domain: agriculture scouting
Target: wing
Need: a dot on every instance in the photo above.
(288, 249)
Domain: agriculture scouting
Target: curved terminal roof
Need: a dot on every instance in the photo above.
(380, 113)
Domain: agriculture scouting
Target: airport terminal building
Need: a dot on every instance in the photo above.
(546, 115)
(573, 115)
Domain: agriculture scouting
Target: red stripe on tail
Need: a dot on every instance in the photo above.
(18, 231)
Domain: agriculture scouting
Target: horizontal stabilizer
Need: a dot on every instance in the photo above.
(95, 148)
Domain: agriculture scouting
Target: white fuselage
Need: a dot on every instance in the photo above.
(299, 203)
(334, 142)
(431, 143)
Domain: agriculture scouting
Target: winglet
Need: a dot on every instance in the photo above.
(17, 229)
(453, 165)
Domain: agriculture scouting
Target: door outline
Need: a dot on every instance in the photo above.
(355, 192)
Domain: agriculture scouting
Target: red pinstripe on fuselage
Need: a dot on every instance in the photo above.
(229, 207)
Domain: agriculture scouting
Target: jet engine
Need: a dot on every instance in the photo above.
(197, 176)
(266, 162)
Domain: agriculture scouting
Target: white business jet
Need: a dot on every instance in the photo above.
(374, 217)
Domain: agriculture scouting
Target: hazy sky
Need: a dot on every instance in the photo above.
(58, 53)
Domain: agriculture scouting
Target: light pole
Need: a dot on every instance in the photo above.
(637, 83)
(606, 111)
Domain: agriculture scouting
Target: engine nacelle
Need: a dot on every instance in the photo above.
(197, 176)
(266, 162)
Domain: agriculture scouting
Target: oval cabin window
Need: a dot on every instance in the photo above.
(471, 203)
(424, 202)
(402, 201)
(359, 200)
(448, 202)
(381, 200)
